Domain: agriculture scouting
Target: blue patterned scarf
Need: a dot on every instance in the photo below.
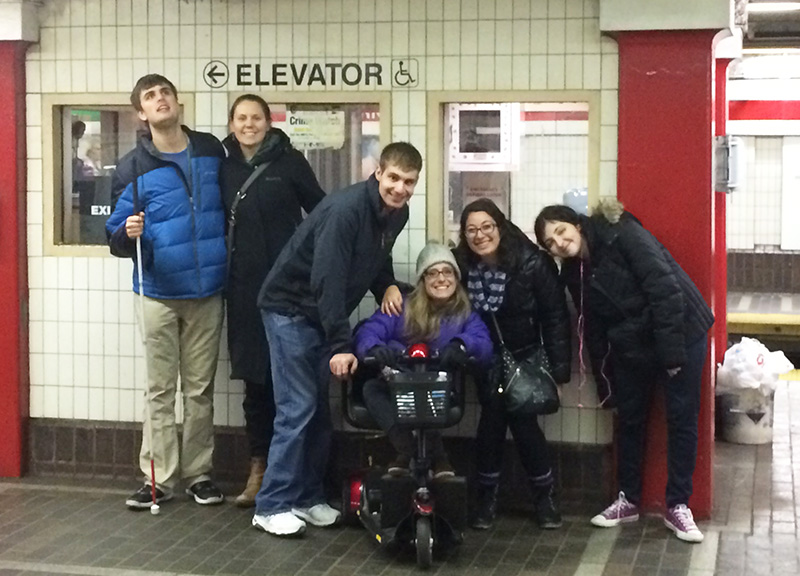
(486, 288)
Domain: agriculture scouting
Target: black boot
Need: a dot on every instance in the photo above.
(546, 512)
(487, 506)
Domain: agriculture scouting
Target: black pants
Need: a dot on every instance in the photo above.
(259, 414)
(634, 387)
(528, 437)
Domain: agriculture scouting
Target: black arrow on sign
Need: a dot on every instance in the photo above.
(213, 74)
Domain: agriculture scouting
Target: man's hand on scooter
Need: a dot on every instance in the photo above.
(343, 365)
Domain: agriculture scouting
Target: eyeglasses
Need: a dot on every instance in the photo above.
(484, 229)
(433, 273)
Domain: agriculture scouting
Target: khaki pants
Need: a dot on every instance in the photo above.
(182, 337)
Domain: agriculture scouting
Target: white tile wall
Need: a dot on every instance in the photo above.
(754, 211)
(85, 354)
(549, 166)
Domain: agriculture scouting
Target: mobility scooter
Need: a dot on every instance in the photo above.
(414, 509)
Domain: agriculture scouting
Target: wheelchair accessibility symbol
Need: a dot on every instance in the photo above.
(405, 73)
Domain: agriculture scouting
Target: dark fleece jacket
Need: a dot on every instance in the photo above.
(342, 249)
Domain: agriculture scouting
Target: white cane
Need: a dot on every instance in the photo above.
(154, 507)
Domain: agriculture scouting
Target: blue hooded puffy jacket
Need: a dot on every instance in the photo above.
(183, 245)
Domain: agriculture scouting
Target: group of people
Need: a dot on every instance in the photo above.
(228, 219)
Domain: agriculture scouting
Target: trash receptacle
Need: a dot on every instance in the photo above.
(745, 416)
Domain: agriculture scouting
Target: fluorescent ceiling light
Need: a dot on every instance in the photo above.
(773, 6)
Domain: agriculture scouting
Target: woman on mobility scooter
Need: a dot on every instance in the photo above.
(438, 314)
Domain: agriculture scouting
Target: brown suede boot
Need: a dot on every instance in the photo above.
(247, 498)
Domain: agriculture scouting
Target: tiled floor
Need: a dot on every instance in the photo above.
(63, 529)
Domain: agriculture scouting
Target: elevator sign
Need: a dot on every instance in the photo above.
(310, 74)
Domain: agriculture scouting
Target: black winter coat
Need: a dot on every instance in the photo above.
(534, 309)
(265, 220)
(343, 249)
(640, 306)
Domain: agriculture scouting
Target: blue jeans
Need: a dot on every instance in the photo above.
(634, 386)
(298, 454)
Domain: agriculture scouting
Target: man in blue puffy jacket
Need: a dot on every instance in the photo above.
(166, 192)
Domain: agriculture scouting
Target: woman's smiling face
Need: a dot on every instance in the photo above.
(563, 239)
(249, 124)
(440, 281)
(482, 235)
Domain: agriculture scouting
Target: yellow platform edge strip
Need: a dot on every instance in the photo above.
(760, 318)
(751, 323)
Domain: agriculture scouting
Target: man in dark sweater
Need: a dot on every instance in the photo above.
(338, 253)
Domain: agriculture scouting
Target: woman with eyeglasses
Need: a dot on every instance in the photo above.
(508, 276)
(436, 313)
(266, 214)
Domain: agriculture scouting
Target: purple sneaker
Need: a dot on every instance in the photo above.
(679, 519)
(619, 512)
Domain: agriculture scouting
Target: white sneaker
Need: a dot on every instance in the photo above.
(318, 515)
(283, 524)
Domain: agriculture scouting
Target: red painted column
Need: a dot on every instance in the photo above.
(664, 176)
(14, 392)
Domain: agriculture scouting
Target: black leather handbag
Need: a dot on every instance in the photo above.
(526, 386)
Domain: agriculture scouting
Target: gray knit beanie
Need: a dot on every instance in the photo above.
(435, 253)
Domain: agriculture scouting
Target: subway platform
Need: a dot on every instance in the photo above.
(61, 528)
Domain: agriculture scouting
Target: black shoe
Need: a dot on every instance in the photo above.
(205, 492)
(487, 507)
(143, 498)
(547, 515)
(400, 466)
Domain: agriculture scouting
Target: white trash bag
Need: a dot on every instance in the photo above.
(750, 364)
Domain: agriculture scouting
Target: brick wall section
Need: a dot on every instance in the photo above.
(760, 272)
(89, 449)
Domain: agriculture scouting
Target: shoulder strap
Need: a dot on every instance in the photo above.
(240, 195)
(242, 192)
(497, 329)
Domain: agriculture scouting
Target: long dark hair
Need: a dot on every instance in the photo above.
(511, 237)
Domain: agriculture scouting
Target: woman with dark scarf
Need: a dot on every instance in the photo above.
(645, 324)
(507, 276)
(266, 216)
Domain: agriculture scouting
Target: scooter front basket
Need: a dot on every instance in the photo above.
(422, 398)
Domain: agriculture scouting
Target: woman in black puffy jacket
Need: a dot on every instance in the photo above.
(645, 323)
(508, 276)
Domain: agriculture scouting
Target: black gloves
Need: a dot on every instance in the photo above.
(384, 355)
(453, 356)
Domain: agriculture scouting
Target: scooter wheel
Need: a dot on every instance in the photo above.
(424, 541)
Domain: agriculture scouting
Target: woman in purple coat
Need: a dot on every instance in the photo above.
(437, 313)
